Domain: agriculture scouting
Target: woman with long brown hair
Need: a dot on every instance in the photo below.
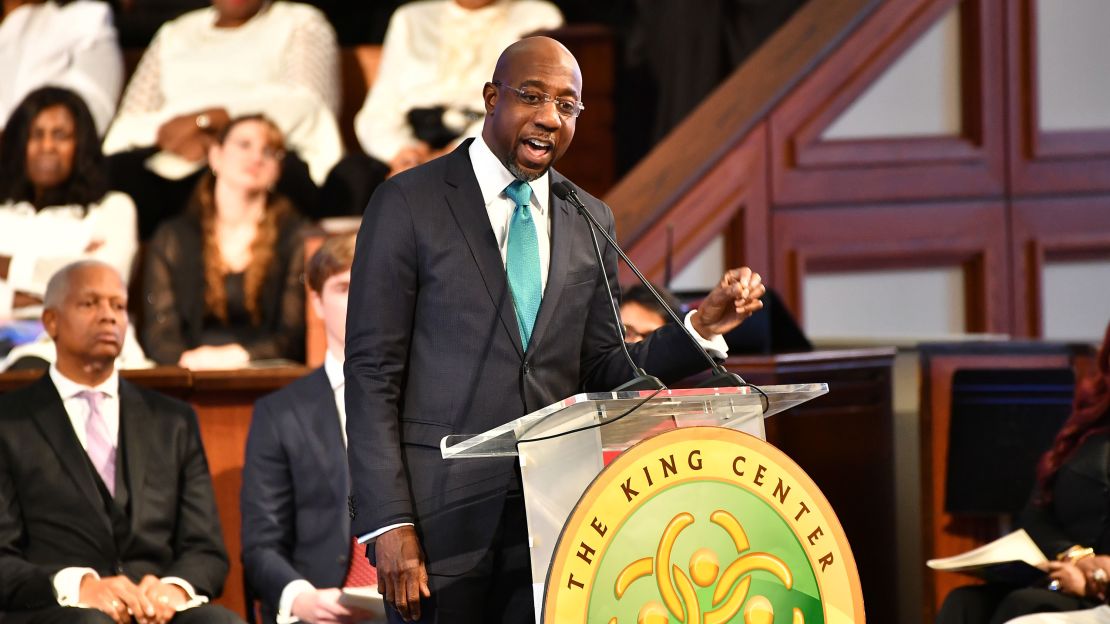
(1068, 517)
(223, 282)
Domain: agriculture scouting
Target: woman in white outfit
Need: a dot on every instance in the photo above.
(55, 206)
(235, 58)
(70, 44)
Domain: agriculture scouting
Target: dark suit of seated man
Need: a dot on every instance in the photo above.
(296, 524)
(106, 505)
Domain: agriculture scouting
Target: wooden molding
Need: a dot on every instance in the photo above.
(684, 157)
(807, 169)
(1046, 229)
(971, 236)
(731, 197)
(1044, 162)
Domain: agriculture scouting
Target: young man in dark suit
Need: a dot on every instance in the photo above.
(476, 299)
(296, 523)
(106, 505)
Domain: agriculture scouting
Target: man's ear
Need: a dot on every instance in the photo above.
(489, 96)
(50, 323)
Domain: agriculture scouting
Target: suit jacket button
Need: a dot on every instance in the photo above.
(527, 368)
(341, 559)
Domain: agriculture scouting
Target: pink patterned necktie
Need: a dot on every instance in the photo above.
(98, 443)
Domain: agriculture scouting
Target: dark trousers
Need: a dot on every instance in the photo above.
(205, 614)
(995, 604)
(499, 589)
(158, 199)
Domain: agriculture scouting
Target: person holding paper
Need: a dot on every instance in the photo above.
(296, 549)
(1068, 516)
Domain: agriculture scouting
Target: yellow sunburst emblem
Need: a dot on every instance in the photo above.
(679, 597)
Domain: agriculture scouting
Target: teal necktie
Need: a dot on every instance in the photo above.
(522, 260)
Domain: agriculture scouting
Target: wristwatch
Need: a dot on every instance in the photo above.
(204, 122)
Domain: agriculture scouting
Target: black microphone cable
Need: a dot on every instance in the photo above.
(642, 380)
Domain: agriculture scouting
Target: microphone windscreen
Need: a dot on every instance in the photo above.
(562, 190)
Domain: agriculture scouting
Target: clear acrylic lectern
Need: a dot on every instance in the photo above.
(562, 446)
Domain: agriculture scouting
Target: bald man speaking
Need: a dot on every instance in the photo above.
(475, 299)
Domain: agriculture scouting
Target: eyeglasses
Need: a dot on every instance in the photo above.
(567, 107)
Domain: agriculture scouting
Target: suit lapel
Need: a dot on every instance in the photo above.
(318, 420)
(465, 201)
(53, 421)
(135, 425)
(562, 244)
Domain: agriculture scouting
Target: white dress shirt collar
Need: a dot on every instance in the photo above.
(67, 388)
(493, 177)
(333, 368)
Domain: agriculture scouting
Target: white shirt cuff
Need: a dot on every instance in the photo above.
(369, 537)
(67, 585)
(288, 596)
(194, 600)
(717, 347)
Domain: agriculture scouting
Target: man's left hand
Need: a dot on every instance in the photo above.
(734, 299)
(165, 597)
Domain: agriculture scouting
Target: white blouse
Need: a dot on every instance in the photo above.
(40, 243)
(438, 53)
(73, 46)
(283, 63)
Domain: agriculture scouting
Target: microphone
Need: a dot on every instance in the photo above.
(721, 377)
(642, 380)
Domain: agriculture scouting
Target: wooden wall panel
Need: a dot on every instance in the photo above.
(719, 125)
(732, 197)
(971, 235)
(1045, 162)
(806, 169)
(1046, 229)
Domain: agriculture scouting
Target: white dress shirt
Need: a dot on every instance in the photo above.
(67, 581)
(282, 63)
(333, 368)
(493, 177)
(41, 242)
(73, 46)
(436, 53)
